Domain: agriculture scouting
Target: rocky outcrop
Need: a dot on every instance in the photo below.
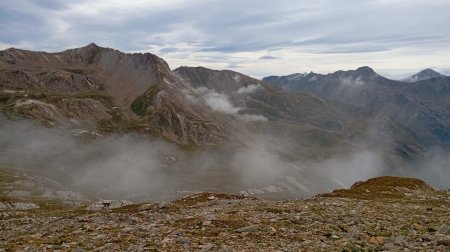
(107, 204)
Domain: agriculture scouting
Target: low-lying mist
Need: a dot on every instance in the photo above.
(136, 166)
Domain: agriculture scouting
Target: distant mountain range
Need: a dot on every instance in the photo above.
(422, 106)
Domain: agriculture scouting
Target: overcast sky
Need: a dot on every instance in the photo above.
(255, 37)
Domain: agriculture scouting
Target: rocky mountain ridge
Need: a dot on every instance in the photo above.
(104, 89)
(421, 106)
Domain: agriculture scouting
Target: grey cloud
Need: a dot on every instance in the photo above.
(168, 50)
(232, 65)
(356, 49)
(267, 57)
(53, 4)
(218, 27)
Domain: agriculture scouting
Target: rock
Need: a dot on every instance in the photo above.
(391, 247)
(443, 242)
(178, 232)
(206, 223)
(206, 247)
(152, 207)
(211, 197)
(107, 204)
(379, 240)
(183, 240)
(418, 227)
(444, 229)
(272, 231)
(252, 228)
(146, 207)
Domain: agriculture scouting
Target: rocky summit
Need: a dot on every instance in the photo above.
(381, 214)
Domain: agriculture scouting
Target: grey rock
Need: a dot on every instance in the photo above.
(107, 204)
(252, 228)
(444, 229)
(206, 247)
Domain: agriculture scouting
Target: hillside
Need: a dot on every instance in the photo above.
(103, 90)
(387, 213)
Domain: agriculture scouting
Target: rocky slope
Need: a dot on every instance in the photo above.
(317, 126)
(104, 90)
(381, 214)
(306, 120)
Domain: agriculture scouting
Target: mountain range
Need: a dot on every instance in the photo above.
(422, 106)
(95, 92)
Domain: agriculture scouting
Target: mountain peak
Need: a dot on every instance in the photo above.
(429, 72)
(365, 70)
(425, 74)
(92, 45)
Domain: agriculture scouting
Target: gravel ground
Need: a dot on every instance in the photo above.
(384, 215)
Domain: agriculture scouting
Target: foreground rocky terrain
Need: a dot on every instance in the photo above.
(381, 214)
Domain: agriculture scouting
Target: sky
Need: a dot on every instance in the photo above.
(255, 37)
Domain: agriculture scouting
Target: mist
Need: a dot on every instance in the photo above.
(220, 102)
(126, 166)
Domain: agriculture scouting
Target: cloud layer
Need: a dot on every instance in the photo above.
(255, 37)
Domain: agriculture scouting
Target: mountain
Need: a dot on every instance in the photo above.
(230, 132)
(104, 90)
(421, 106)
(303, 118)
(423, 75)
(96, 92)
(359, 87)
(312, 127)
